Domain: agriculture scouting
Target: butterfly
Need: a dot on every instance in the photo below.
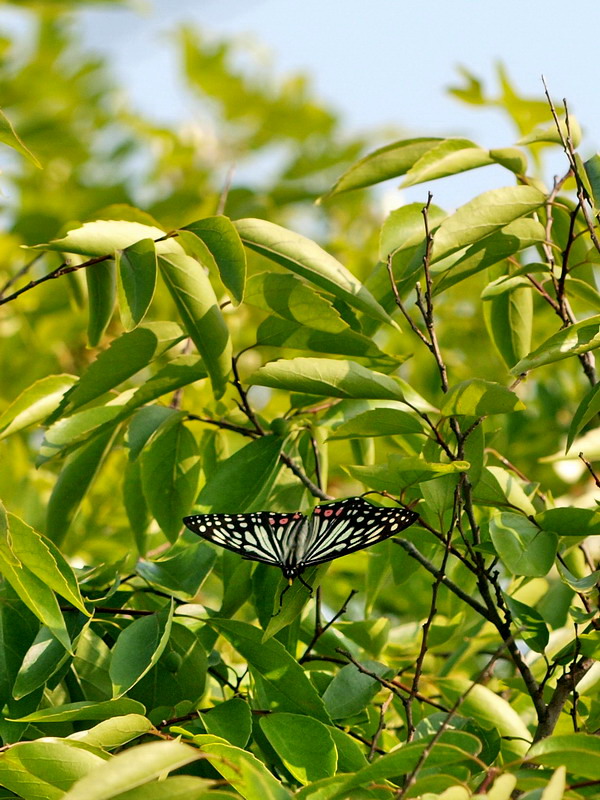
(294, 541)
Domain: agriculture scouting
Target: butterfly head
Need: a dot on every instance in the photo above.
(289, 572)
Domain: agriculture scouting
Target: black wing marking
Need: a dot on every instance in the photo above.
(265, 536)
(338, 529)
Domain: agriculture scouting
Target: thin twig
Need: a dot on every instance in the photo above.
(225, 190)
(411, 777)
(321, 629)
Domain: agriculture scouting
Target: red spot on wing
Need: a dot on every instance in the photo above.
(284, 521)
(328, 513)
(338, 512)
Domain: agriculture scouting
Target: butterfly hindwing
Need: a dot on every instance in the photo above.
(264, 536)
(338, 529)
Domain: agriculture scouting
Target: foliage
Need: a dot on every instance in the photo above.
(443, 358)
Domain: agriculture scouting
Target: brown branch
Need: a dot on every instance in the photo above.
(19, 274)
(63, 269)
(564, 687)
(301, 475)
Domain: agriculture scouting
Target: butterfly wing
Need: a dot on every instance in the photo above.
(264, 536)
(352, 524)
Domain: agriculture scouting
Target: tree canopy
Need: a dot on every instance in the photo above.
(185, 334)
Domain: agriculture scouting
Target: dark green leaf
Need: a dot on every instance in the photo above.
(76, 476)
(85, 710)
(231, 720)
(275, 666)
(351, 691)
(533, 629)
(226, 491)
(181, 575)
(304, 745)
(170, 473)
(102, 290)
(138, 648)
(586, 411)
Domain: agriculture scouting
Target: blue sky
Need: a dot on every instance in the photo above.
(380, 63)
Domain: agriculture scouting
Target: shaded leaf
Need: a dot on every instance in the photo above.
(322, 376)
(223, 241)
(522, 546)
(578, 338)
(477, 397)
(304, 745)
(136, 280)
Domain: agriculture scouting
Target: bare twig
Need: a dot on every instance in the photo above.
(321, 629)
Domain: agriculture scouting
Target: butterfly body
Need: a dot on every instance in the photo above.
(293, 542)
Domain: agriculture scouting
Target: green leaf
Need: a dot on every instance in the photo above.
(570, 521)
(86, 709)
(586, 411)
(382, 164)
(483, 216)
(303, 744)
(103, 237)
(136, 281)
(522, 546)
(574, 340)
(135, 503)
(477, 397)
(225, 492)
(177, 787)
(231, 720)
(351, 758)
(10, 137)
(222, 239)
(76, 476)
(305, 258)
(490, 710)
(322, 376)
(550, 133)
(44, 658)
(275, 332)
(454, 747)
(497, 247)
(126, 355)
(199, 310)
(138, 648)
(131, 768)
(102, 290)
(35, 403)
(509, 320)
(115, 731)
(275, 666)
(33, 591)
(578, 752)
(449, 157)
(401, 472)
(586, 585)
(351, 691)
(242, 770)
(42, 557)
(290, 298)
(42, 770)
(170, 473)
(181, 575)
(180, 372)
(533, 629)
(378, 422)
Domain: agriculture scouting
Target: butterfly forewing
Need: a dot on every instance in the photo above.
(338, 529)
(264, 536)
